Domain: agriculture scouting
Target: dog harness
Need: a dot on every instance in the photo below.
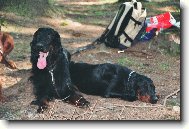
(53, 83)
(53, 80)
(130, 75)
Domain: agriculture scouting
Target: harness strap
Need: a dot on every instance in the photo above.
(53, 81)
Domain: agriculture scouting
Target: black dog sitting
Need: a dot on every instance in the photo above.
(111, 80)
(50, 68)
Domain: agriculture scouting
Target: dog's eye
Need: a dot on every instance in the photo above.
(51, 47)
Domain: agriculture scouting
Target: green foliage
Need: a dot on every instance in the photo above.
(92, 14)
(126, 62)
(164, 66)
(20, 52)
(166, 46)
(2, 22)
(64, 23)
(28, 8)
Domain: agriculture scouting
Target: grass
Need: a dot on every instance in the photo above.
(170, 117)
(168, 47)
(9, 113)
(92, 14)
(21, 51)
(164, 66)
(173, 102)
(126, 61)
(2, 21)
(104, 13)
(30, 8)
(6, 112)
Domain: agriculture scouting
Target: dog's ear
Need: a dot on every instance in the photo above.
(57, 39)
(132, 95)
(34, 37)
(31, 44)
(130, 90)
(69, 56)
(36, 32)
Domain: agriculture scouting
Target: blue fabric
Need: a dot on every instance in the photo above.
(148, 36)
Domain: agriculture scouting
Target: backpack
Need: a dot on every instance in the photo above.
(127, 26)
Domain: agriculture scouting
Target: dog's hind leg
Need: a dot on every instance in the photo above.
(114, 95)
(111, 85)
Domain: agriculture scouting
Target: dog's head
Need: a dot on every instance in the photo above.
(142, 87)
(44, 46)
(45, 40)
(146, 90)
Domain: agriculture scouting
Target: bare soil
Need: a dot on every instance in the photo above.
(163, 69)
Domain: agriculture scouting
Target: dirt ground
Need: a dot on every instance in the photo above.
(164, 70)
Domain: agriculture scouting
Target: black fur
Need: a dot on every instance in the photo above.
(111, 80)
(53, 81)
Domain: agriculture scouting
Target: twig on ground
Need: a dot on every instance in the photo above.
(87, 112)
(92, 110)
(71, 118)
(51, 111)
(135, 106)
(119, 115)
(134, 51)
(77, 115)
(104, 108)
(165, 100)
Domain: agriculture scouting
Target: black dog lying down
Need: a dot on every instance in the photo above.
(50, 68)
(111, 80)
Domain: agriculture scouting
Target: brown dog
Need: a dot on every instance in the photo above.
(6, 46)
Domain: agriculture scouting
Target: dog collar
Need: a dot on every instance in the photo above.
(130, 75)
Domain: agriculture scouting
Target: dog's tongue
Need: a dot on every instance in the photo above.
(42, 63)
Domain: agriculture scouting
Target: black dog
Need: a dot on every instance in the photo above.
(111, 80)
(50, 68)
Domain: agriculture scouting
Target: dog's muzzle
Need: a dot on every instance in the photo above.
(154, 100)
(40, 47)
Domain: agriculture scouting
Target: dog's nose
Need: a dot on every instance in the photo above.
(154, 100)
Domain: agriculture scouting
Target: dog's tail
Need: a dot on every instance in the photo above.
(87, 47)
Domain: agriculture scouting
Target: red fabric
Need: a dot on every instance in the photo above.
(162, 21)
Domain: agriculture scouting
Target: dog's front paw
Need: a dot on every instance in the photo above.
(43, 105)
(12, 65)
(42, 108)
(82, 102)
